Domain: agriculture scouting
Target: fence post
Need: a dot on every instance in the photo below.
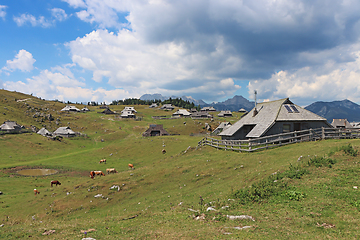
(322, 133)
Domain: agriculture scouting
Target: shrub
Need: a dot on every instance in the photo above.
(321, 161)
(294, 195)
(349, 150)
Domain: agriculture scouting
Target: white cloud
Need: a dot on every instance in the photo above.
(24, 18)
(2, 11)
(125, 60)
(59, 14)
(329, 82)
(75, 3)
(23, 61)
(60, 83)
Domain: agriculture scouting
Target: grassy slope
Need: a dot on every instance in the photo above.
(152, 192)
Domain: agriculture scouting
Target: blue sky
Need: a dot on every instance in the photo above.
(104, 50)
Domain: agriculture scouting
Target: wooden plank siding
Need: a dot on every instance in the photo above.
(282, 139)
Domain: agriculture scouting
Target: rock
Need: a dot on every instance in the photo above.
(49, 232)
(98, 195)
(240, 217)
(210, 209)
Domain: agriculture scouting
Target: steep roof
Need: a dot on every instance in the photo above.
(127, 114)
(132, 109)
(182, 112)
(70, 108)
(341, 123)
(44, 132)
(167, 106)
(64, 131)
(268, 113)
(153, 127)
(222, 126)
(9, 125)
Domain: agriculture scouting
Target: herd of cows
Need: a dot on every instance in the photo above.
(92, 174)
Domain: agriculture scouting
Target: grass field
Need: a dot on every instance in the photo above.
(288, 198)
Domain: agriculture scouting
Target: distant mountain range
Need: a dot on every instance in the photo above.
(232, 104)
(336, 109)
(344, 109)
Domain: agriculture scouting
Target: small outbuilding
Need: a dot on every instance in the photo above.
(44, 132)
(201, 115)
(222, 126)
(154, 105)
(10, 127)
(167, 107)
(129, 109)
(242, 110)
(85, 109)
(127, 114)
(69, 108)
(155, 130)
(108, 111)
(225, 114)
(64, 132)
(341, 123)
(208, 109)
(181, 113)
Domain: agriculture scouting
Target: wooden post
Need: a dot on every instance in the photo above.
(322, 133)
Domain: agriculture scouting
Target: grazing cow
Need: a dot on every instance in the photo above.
(56, 182)
(102, 161)
(111, 170)
(36, 191)
(163, 151)
(93, 173)
(131, 166)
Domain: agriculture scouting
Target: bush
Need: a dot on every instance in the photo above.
(294, 195)
(321, 161)
(349, 150)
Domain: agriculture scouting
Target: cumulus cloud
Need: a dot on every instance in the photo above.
(28, 18)
(200, 47)
(124, 60)
(2, 11)
(23, 61)
(59, 14)
(331, 81)
(75, 3)
(60, 83)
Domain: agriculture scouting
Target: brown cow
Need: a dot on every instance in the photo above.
(36, 191)
(102, 161)
(93, 173)
(56, 182)
(111, 170)
(163, 151)
(131, 166)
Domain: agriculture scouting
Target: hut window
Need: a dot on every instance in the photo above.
(286, 128)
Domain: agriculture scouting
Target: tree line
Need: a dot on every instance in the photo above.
(178, 102)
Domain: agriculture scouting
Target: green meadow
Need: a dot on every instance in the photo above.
(167, 196)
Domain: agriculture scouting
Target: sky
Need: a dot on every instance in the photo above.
(104, 50)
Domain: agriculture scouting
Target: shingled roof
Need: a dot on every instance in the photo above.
(267, 113)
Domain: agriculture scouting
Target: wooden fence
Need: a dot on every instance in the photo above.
(282, 139)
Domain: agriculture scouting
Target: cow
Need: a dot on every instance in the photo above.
(131, 166)
(102, 161)
(93, 173)
(163, 151)
(111, 170)
(56, 182)
(36, 192)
